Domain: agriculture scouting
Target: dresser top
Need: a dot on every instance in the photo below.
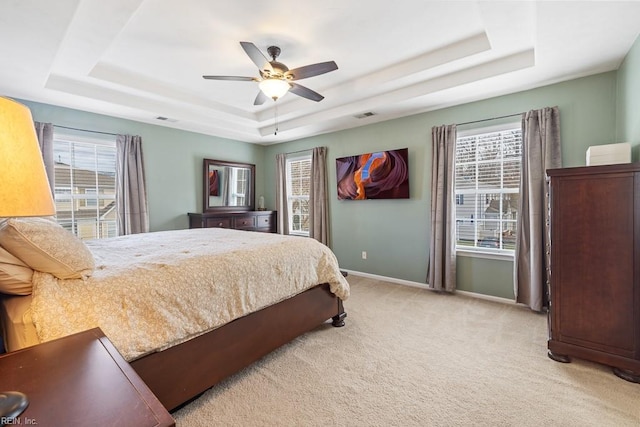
(589, 170)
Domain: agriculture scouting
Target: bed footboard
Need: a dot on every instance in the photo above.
(182, 372)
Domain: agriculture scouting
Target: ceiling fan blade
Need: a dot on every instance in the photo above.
(312, 70)
(305, 92)
(256, 56)
(260, 98)
(232, 78)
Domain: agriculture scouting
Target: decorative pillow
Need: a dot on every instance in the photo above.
(15, 275)
(45, 246)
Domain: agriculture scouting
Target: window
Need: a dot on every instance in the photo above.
(85, 186)
(487, 180)
(298, 189)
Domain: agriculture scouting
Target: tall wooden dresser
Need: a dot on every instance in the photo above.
(595, 267)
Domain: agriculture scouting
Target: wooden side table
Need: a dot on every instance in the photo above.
(80, 380)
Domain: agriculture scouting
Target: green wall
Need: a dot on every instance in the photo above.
(396, 233)
(173, 160)
(628, 113)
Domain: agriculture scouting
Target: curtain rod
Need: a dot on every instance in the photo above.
(492, 118)
(85, 130)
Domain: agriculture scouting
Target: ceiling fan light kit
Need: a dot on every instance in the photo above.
(275, 78)
(274, 88)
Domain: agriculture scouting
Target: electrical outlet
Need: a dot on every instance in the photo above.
(364, 254)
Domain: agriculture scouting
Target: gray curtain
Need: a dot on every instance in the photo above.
(441, 271)
(227, 188)
(541, 150)
(318, 205)
(281, 193)
(131, 194)
(44, 131)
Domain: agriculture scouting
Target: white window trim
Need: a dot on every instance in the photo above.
(499, 254)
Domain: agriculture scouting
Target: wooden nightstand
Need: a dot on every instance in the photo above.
(80, 380)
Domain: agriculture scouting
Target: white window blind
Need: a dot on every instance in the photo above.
(85, 186)
(487, 179)
(298, 189)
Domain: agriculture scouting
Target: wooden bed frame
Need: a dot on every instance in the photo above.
(180, 373)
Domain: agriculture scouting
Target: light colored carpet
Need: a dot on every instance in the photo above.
(411, 357)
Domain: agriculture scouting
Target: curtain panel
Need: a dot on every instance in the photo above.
(131, 194)
(281, 193)
(227, 188)
(441, 271)
(318, 211)
(541, 150)
(44, 132)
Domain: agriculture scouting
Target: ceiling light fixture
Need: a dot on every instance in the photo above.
(274, 88)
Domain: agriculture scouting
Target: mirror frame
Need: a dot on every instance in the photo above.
(205, 189)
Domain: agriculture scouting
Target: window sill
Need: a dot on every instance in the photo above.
(298, 233)
(499, 255)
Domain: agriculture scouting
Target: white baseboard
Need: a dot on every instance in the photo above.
(389, 279)
(425, 286)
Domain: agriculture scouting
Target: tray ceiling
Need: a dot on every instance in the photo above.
(144, 59)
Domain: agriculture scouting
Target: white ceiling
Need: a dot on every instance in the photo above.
(140, 59)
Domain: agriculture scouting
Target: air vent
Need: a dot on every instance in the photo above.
(363, 115)
(166, 119)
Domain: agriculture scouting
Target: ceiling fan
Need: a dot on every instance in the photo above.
(276, 79)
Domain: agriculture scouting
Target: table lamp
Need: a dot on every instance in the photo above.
(24, 191)
(24, 187)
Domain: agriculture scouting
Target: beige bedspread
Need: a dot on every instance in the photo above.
(152, 291)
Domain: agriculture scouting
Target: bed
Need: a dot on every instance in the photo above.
(185, 308)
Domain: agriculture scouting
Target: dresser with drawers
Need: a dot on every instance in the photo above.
(595, 272)
(244, 220)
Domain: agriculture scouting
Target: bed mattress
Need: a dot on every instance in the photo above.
(155, 290)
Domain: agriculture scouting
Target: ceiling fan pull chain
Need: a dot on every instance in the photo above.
(276, 118)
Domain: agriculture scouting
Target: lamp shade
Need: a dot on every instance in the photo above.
(274, 88)
(24, 187)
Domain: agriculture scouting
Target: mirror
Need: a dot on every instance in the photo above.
(228, 186)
